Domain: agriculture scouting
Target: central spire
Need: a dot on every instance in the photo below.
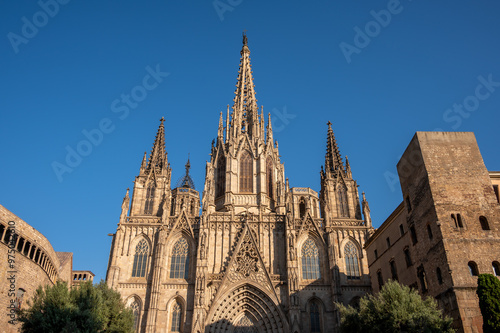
(158, 158)
(333, 160)
(245, 115)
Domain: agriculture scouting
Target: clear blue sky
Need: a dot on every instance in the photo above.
(377, 81)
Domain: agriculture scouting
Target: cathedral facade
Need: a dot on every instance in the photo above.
(261, 256)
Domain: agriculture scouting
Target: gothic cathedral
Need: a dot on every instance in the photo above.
(261, 257)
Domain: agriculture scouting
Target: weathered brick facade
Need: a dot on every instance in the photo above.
(34, 263)
(447, 228)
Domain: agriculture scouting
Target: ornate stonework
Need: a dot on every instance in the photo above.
(260, 255)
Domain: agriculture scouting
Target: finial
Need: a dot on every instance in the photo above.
(329, 123)
(162, 120)
(245, 38)
(188, 165)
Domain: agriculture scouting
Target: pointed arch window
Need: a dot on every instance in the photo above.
(351, 261)
(246, 173)
(136, 310)
(314, 318)
(176, 318)
(179, 267)
(310, 261)
(220, 187)
(150, 196)
(342, 201)
(269, 175)
(140, 259)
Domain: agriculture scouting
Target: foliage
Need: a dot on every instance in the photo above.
(396, 308)
(488, 291)
(87, 308)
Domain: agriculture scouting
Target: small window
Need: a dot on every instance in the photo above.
(380, 280)
(19, 298)
(20, 244)
(388, 241)
(401, 230)
(429, 232)
(454, 220)
(413, 233)
(473, 268)
(439, 275)
(2, 230)
(484, 223)
(496, 268)
(408, 257)
(459, 221)
(495, 188)
(422, 278)
(408, 203)
(376, 254)
(302, 207)
(394, 270)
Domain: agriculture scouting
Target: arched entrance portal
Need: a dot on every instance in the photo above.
(245, 309)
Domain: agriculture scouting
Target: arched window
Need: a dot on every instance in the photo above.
(246, 173)
(342, 201)
(269, 175)
(302, 207)
(310, 260)
(473, 268)
(19, 298)
(220, 187)
(179, 267)
(314, 318)
(351, 261)
(150, 196)
(484, 223)
(140, 259)
(136, 310)
(496, 268)
(176, 318)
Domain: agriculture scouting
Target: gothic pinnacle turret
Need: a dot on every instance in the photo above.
(158, 158)
(245, 118)
(333, 160)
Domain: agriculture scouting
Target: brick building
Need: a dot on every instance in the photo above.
(261, 256)
(447, 229)
(27, 261)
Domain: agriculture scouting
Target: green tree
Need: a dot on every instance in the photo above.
(87, 308)
(488, 291)
(396, 308)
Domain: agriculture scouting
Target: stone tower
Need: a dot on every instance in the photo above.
(262, 257)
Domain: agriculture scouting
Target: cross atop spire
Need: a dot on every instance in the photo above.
(158, 157)
(245, 38)
(333, 160)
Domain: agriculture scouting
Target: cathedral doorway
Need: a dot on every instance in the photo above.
(246, 309)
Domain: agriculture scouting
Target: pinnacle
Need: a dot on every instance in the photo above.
(333, 160)
(157, 159)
